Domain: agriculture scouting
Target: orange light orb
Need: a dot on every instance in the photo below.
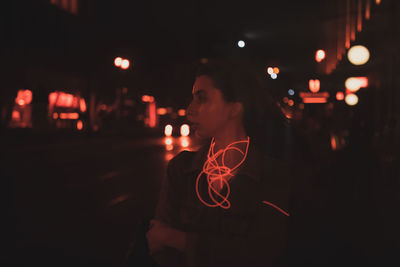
(339, 96)
(320, 55)
(79, 125)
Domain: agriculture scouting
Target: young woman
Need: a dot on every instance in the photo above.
(227, 203)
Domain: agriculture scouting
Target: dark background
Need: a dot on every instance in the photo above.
(75, 198)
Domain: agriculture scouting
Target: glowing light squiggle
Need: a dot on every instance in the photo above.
(276, 207)
(219, 174)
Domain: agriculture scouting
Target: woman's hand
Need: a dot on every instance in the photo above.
(162, 235)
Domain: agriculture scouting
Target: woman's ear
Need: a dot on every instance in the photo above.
(237, 109)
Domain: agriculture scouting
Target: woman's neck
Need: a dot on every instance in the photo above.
(228, 136)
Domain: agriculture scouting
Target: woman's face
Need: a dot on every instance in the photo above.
(208, 111)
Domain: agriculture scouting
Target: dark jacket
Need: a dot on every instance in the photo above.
(249, 233)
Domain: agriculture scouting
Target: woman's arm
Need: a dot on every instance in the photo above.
(263, 244)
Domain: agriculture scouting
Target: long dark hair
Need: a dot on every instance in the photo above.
(242, 81)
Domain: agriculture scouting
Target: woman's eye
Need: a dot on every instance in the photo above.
(200, 99)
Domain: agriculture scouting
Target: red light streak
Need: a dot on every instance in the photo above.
(82, 105)
(152, 115)
(276, 207)
(219, 174)
(359, 16)
(368, 10)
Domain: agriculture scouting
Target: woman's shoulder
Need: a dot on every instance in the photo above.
(187, 161)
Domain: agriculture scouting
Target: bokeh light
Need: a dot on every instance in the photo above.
(354, 84)
(184, 142)
(168, 141)
(241, 44)
(339, 96)
(185, 130)
(320, 55)
(351, 99)
(358, 55)
(118, 61)
(314, 85)
(168, 130)
(125, 64)
(79, 125)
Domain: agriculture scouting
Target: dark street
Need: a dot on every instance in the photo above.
(78, 202)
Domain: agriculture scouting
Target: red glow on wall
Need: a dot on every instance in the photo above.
(161, 111)
(16, 115)
(69, 116)
(314, 100)
(24, 97)
(333, 143)
(82, 105)
(320, 55)
(359, 16)
(368, 10)
(152, 115)
(147, 98)
(65, 4)
(339, 96)
(218, 176)
(79, 125)
(314, 85)
(182, 112)
(74, 6)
